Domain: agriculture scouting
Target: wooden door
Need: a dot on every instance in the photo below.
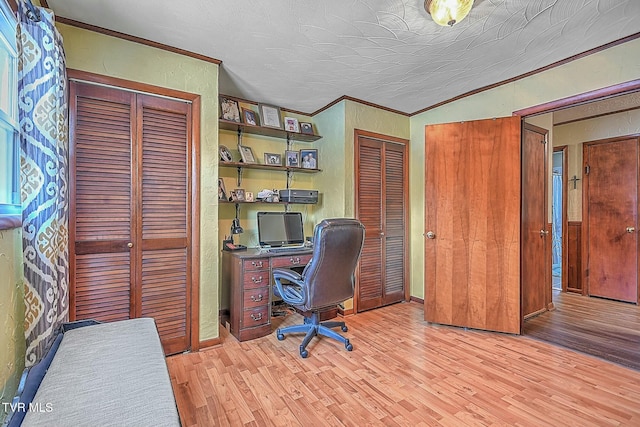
(130, 210)
(102, 220)
(611, 218)
(163, 240)
(472, 205)
(382, 206)
(535, 277)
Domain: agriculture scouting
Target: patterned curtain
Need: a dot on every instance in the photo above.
(42, 97)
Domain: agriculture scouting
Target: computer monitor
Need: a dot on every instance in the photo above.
(277, 229)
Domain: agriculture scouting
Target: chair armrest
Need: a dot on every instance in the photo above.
(292, 293)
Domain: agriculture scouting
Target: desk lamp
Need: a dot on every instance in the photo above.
(236, 228)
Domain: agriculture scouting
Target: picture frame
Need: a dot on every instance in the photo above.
(232, 196)
(246, 153)
(306, 128)
(222, 192)
(239, 192)
(270, 115)
(248, 196)
(249, 117)
(273, 159)
(309, 159)
(293, 158)
(229, 109)
(291, 124)
(225, 154)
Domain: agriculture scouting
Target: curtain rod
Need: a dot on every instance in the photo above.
(32, 12)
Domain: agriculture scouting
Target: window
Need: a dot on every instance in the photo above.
(9, 129)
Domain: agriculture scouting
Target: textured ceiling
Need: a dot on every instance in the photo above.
(303, 54)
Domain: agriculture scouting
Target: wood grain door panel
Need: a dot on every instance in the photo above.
(102, 287)
(101, 218)
(395, 193)
(536, 289)
(612, 206)
(472, 266)
(370, 213)
(165, 229)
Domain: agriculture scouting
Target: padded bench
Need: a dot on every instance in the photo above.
(100, 374)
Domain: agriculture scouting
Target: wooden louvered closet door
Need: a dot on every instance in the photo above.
(130, 210)
(382, 206)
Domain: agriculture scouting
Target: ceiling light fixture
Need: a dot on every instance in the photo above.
(448, 12)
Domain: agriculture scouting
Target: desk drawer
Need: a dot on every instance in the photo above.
(255, 264)
(256, 297)
(289, 261)
(255, 279)
(255, 316)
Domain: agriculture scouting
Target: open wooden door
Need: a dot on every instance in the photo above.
(536, 238)
(472, 251)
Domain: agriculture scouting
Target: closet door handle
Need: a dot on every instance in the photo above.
(430, 235)
(631, 229)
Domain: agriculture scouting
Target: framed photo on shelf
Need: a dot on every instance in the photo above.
(247, 154)
(225, 154)
(293, 158)
(250, 117)
(291, 124)
(248, 196)
(309, 159)
(306, 128)
(270, 116)
(273, 159)
(222, 192)
(229, 109)
(239, 192)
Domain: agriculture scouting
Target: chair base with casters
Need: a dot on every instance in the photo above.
(313, 327)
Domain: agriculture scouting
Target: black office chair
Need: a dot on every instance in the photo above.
(326, 281)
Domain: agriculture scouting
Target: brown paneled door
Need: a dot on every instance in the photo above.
(130, 209)
(472, 205)
(610, 214)
(382, 206)
(536, 270)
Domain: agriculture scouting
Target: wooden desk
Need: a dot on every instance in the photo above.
(247, 276)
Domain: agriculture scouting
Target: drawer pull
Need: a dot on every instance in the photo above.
(258, 280)
(257, 264)
(256, 299)
(256, 317)
(295, 260)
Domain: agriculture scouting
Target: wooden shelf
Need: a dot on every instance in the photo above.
(267, 167)
(265, 131)
(228, 202)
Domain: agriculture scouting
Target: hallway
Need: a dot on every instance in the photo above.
(603, 328)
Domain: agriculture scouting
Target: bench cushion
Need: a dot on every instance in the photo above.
(111, 374)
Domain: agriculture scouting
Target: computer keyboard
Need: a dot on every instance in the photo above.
(287, 249)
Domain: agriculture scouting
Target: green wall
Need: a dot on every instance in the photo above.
(110, 56)
(337, 125)
(609, 67)
(12, 343)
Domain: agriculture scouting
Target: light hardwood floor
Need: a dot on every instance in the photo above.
(404, 372)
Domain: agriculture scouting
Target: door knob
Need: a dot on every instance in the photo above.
(631, 229)
(129, 245)
(544, 233)
(430, 235)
